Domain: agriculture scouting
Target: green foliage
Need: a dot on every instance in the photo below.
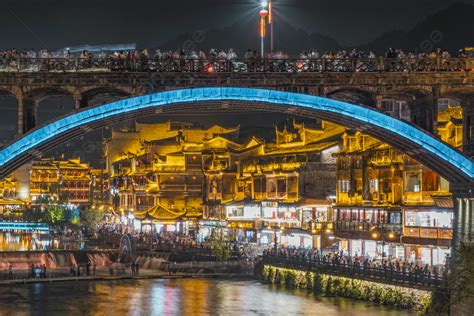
(53, 214)
(90, 217)
(53, 210)
(219, 246)
(330, 285)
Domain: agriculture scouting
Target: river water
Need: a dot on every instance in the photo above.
(175, 297)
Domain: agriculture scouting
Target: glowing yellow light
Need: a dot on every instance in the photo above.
(328, 231)
(391, 235)
(270, 12)
(375, 235)
(314, 231)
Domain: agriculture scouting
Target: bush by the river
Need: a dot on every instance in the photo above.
(329, 285)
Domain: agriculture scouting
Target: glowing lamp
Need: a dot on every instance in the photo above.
(375, 235)
(210, 68)
(263, 23)
(391, 235)
(270, 15)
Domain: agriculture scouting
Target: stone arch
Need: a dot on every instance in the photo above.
(10, 111)
(87, 97)
(32, 99)
(353, 95)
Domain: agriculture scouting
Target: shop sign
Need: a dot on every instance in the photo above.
(241, 225)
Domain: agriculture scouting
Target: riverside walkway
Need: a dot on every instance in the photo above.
(381, 275)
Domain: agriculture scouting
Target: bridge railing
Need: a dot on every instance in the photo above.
(236, 65)
(384, 275)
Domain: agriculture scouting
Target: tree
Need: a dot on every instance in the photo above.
(219, 246)
(54, 214)
(90, 217)
(52, 210)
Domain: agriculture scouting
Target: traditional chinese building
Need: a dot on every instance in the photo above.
(9, 202)
(282, 187)
(390, 205)
(100, 188)
(175, 173)
(157, 170)
(450, 128)
(69, 180)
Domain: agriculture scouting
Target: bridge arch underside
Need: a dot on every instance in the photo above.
(418, 152)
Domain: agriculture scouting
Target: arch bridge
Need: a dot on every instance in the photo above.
(451, 164)
(99, 82)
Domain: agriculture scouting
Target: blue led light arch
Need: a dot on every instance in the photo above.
(197, 96)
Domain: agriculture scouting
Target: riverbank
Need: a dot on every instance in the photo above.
(142, 276)
(336, 286)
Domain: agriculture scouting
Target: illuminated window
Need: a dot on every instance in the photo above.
(344, 186)
(374, 185)
(412, 182)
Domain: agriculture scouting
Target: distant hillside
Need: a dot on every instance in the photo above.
(451, 28)
(245, 35)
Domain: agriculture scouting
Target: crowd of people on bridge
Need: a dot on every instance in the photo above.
(228, 61)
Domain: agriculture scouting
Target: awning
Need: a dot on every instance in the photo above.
(443, 201)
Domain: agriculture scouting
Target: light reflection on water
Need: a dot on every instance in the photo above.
(175, 297)
(24, 240)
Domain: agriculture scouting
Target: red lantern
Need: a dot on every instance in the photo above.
(263, 13)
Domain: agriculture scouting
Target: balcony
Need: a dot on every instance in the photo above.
(363, 229)
(428, 232)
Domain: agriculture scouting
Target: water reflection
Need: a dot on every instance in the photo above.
(35, 240)
(12, 240)
(175, 297)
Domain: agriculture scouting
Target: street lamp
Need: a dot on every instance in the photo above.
(383, 232)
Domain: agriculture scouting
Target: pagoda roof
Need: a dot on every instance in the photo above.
(159, 212)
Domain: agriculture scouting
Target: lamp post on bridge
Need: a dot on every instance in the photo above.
(264, 14)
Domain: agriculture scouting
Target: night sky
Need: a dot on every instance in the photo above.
(60, 23)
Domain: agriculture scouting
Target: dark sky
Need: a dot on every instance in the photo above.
(60, 23)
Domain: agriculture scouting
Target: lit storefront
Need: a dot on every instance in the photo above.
(207, 227)
(280, 214)
(287, 238)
